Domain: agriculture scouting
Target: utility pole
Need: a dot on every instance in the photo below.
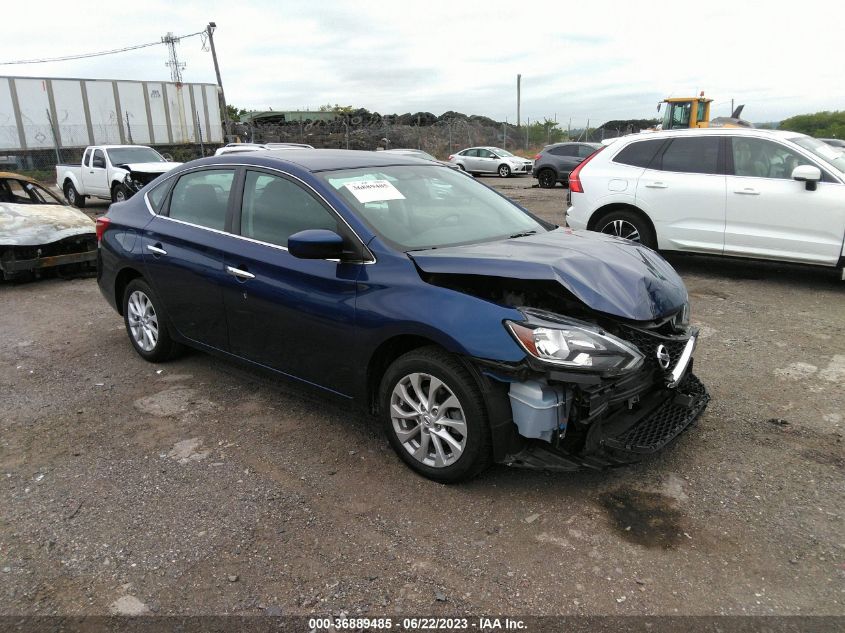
(518, 99)
(226, 123)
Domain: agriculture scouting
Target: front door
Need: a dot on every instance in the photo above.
(770, 215)
(183, 254)
(294, 315)
(95, 177)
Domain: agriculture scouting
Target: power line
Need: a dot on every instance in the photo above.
(99, 54)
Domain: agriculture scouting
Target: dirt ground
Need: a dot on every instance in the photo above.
(200, 487)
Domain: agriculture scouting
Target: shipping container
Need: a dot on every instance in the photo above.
(43, 113)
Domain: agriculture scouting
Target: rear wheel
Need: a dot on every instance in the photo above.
(461, 167)
(146, 324)
(629, 225)
(504, 171)
(72, 196)
(547, 178)
(434, 416)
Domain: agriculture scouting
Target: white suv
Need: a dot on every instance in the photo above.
(742, 192)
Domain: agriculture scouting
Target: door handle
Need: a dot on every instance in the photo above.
(657, 185)
(748, 191)
(156, 250)
(240, 274)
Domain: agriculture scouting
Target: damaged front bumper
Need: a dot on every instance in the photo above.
(76, 250)
(566, 421)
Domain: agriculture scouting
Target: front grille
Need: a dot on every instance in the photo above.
(666, 422)
(648, 342)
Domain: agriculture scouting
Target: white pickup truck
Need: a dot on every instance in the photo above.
(111, 172)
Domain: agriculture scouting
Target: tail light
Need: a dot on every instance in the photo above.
(536, 156)
(451, 156)
(575, 175)
(102, 225)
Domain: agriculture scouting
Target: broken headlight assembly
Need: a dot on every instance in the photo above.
(573, 344)
(132, 183)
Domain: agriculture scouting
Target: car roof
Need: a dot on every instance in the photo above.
(713, 131)
(315, 160)
(9, 174)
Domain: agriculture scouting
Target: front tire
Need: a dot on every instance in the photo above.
(119, 193)
(547, 178)
(434, 415)
(146, 324)
(504, 171)
(629, 225)
(72, 196)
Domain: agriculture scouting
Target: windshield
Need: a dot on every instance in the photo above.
(126, 155)
(417, 207)
(23, 192)
(833, 156)
(502, 153)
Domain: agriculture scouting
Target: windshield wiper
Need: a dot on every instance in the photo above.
(523, 234)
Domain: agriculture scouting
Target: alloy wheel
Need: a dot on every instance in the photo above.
(622, 228)
(428, 420)
(143, 321)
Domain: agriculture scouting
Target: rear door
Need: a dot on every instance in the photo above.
(565, 158)
(683, 192)
(183, 253)
(471, 160)
(294, 315)
(772, 216)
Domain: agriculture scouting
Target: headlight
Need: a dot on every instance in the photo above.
(574, 344)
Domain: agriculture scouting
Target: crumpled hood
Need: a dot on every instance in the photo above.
(37, 224)
(608, 274)
(149, 168)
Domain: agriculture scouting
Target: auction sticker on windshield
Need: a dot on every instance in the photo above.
(374, 191)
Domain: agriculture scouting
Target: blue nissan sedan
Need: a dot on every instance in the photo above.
(474, 331)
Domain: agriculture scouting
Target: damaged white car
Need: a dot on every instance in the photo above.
(38, 231)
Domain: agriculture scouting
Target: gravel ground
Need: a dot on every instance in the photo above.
(200, 487)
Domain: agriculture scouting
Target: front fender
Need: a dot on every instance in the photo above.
(393, 300)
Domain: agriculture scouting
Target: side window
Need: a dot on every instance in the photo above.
(275, 208)
(639, 154)
(471, 152)
(202, 197)
(681, 115)
(99, 159)
(157, 195)
(585, 150)
(86, 157)
(563, 150)
(759, 158)
(485, 153)
(694, 155)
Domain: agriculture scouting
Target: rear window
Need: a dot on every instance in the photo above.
(639, 154)
(691, 155)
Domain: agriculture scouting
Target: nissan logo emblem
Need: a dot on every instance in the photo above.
(663, 357)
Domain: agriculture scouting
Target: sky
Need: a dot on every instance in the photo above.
(597, 60)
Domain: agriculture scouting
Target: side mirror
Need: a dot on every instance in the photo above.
(316, 244)
(807, 174)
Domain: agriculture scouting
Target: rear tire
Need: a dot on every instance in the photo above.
(146, 324)
(629, 225)
(72, 196)
(434, 415)
(547, 178)
(461, 167)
